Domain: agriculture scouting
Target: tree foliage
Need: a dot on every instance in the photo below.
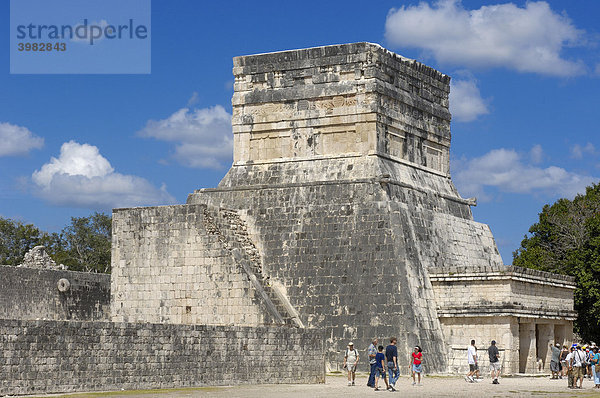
(17, 238)
(83, 245)
(566, 240)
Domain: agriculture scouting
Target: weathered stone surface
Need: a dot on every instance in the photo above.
(27, 293)
(524, 310)
(57, 356)
(38, 258)
(341, 185)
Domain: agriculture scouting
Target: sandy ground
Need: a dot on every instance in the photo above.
(336, 386)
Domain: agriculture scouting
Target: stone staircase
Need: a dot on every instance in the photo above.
(232, 232)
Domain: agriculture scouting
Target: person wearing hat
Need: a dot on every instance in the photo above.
(555, 360)
(494, 355)
(350, 361)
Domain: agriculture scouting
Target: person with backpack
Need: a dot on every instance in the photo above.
(578, 362)
(350, 362)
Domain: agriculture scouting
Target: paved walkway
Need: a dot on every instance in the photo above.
(336, 387)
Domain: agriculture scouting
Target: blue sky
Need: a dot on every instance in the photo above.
(525, 101)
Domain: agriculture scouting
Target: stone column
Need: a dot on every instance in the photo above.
(545, 338)
(560, 334)
(527, 355)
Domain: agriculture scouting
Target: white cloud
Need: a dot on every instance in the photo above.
(466, 103)
(506, 170)
(202, 137)
(82, 177)
(577, 151)
(193, 99)
(528, 39)
(17, 140)
(536, 154)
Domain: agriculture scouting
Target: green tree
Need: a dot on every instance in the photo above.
(85, 244)
(566, 240)
(17, 238)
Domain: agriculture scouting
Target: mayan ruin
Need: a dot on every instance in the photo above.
(341, 172)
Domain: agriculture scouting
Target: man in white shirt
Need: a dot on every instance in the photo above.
(578, 359)
(569, 362)
(472, 358)
(350, 361)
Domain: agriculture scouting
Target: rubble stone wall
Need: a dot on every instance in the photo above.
(27, 293)
(58, 356)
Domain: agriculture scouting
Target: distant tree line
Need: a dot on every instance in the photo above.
(83, 245)
(566, 240)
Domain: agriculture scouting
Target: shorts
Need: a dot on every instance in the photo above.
(351, 368)
(417, 368)
(473, 367)
(577, 372)
(380, 372)
(495, 366)
(554, 366)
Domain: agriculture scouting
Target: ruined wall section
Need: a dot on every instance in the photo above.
(167, 267)
(27, 293)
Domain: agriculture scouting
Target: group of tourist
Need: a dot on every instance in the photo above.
(494, 357)
(380, 359)
(576, 363)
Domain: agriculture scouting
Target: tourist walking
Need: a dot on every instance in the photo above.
(472, 359)
(555, 360)
(494, 355)
(416, 364)
(372, 353)
(391, 356)
(350, 361)
(595, 362)
(380, 368)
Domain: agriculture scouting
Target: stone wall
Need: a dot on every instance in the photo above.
(459, 332)
(168, 268)
(516, 291)
(27, 293)
(344, 99)
(524, 310)
(58, 356)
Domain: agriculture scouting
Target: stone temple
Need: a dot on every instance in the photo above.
(337, 221)
(339, 213)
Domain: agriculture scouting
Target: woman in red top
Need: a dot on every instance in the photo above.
(416, 360)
